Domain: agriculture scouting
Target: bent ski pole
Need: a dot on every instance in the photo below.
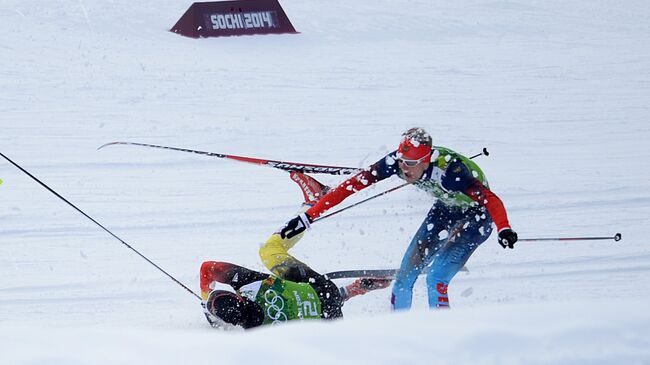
(97, 223)
(617, 237)
(282, 165)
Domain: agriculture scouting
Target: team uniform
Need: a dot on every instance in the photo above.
(276, 300)
(236, 296)
(458, 222)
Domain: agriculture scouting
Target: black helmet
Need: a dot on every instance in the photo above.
(231, 309)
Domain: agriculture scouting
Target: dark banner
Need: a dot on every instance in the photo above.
(228, 18)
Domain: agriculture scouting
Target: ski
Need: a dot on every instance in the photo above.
(282, 165)
(381, 273)
(385, 273)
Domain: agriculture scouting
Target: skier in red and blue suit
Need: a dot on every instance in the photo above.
(459, 221)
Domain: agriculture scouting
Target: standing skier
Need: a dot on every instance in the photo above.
(458, 222)
(250, 298)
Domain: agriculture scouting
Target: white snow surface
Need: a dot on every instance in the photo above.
(556, 90)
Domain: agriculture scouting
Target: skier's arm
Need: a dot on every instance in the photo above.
(227, 273)
(363, 285)
(274, 253)
(458, 178)
(302, 221)
(484, 196)
(378, 171)
(350, 186)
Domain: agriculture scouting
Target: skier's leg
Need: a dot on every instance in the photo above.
(417, 256)
(451, 257)
(275, 256)
(412, 265)
(444, 268)
(275, 251)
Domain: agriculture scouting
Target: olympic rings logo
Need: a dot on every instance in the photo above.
(274, 306)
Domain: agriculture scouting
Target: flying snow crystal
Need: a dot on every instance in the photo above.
(447, 158)
(477, 217)
(374, 172)
(481, 231)
(466, 225)
(390, 160)
(443, 234)
(415, 143)
(458, 179)
(429, 226)
(348, 188)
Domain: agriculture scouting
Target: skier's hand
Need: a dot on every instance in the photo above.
(507, 238)
(295, 226)
(375, 283)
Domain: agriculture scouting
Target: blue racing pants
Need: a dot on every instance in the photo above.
(441, 246)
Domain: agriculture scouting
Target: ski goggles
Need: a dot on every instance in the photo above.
(413, 163)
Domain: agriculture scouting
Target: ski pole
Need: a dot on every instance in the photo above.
(282, 165)
(365, 273)
(484, 152)
(97, 223)
(357, 203)
(617, 237)
(381, 274)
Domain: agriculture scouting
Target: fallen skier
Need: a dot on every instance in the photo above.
(250, 298)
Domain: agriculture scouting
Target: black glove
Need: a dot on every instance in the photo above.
(295, 226)
(375, 283)
(507, 238)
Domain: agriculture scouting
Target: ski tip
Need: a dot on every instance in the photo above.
(106, 144)
(485, 151)
(617, 237)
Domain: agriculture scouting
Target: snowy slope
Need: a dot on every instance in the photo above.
(556, 90)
